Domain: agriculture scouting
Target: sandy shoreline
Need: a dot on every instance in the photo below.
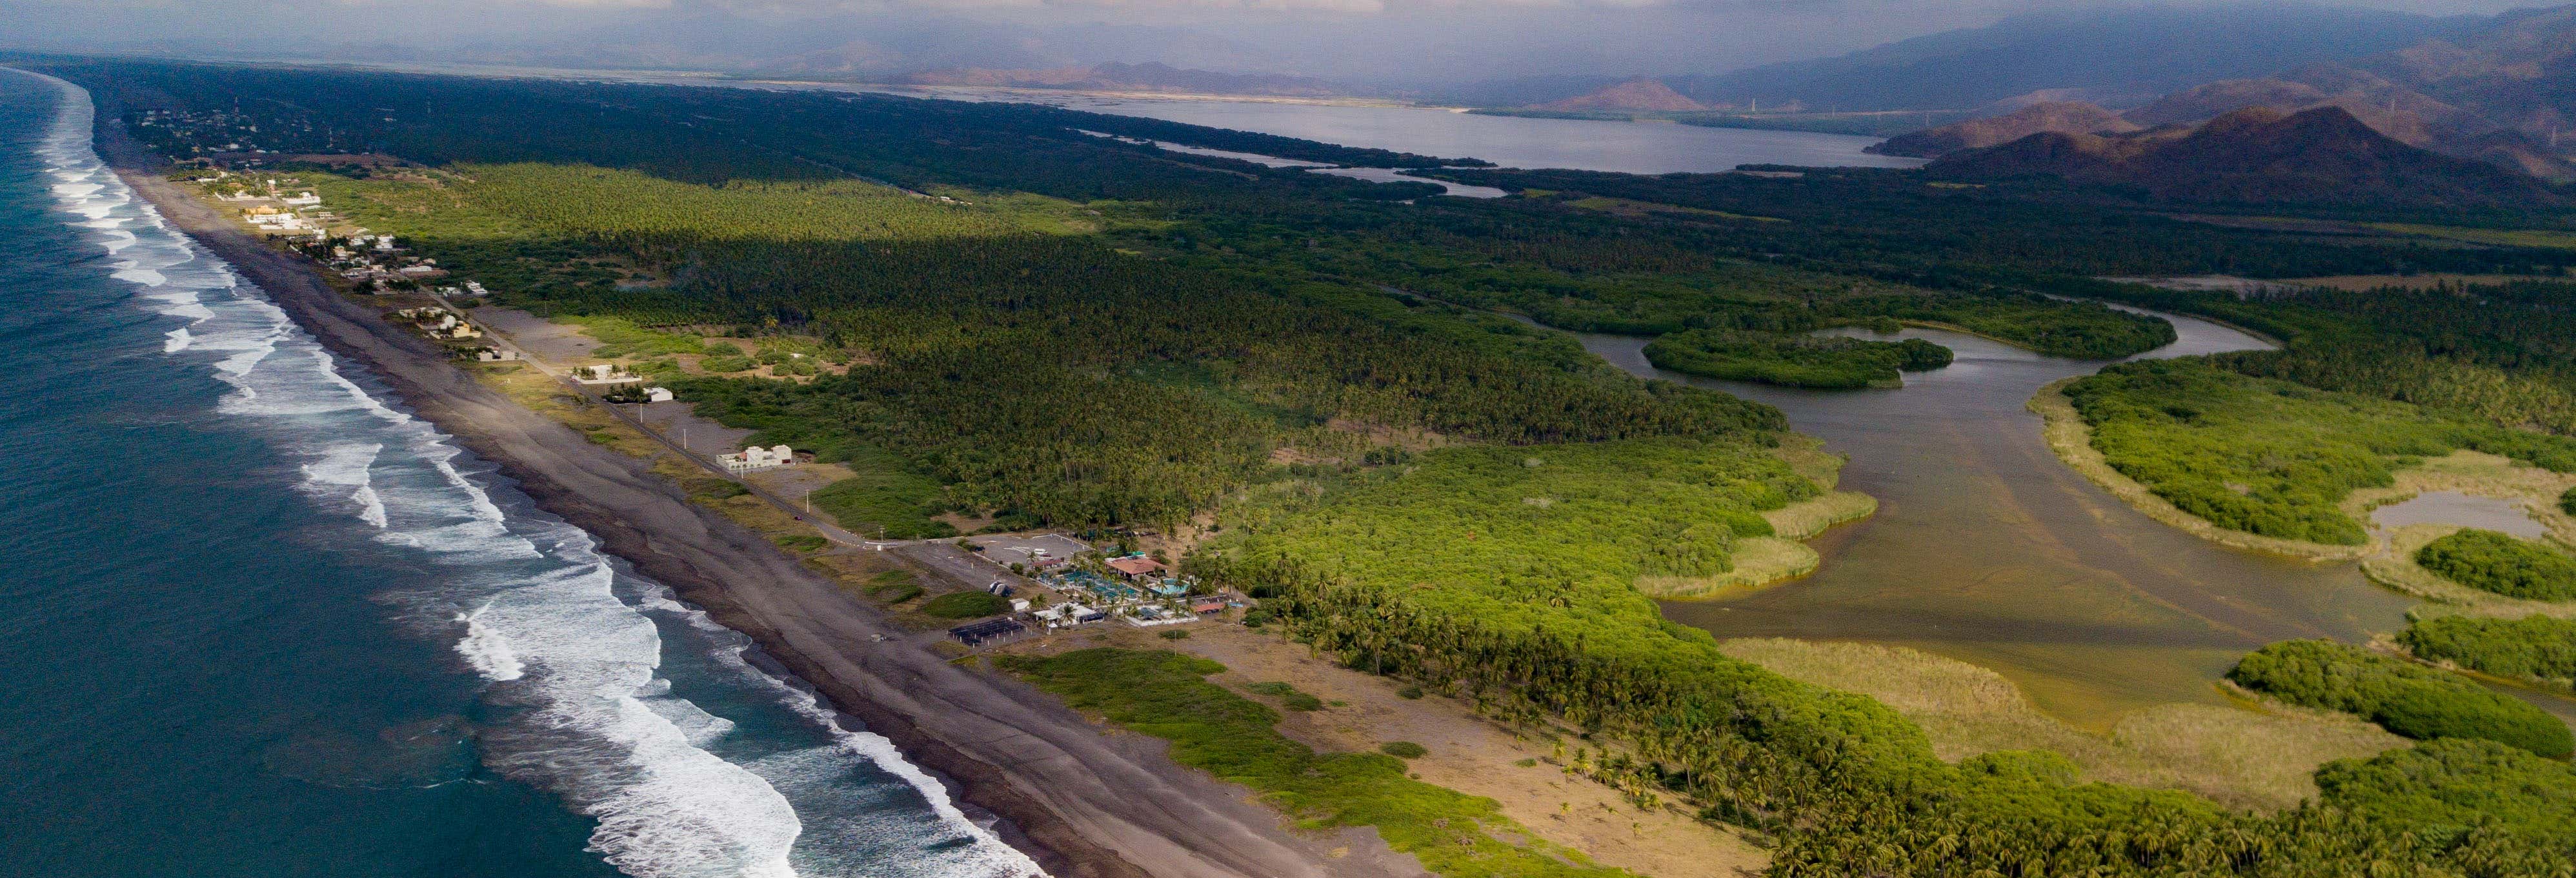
(1084, 803)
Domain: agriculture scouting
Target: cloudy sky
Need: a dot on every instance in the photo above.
(1351, 40)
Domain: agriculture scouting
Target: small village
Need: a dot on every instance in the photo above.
(1076, 584)
(1064, 583)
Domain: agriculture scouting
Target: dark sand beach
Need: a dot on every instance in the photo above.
(1082, 802)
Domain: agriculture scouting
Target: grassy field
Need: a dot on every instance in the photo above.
(1166, 695)
(2550, 238)
(1672, 517)
(2258, 755)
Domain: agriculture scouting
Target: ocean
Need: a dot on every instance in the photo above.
(261, 621)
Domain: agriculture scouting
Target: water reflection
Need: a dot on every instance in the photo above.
(2465, 510)
(1988, 549)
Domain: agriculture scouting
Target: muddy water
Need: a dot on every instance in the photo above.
(1988, 549)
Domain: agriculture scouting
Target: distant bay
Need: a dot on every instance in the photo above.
(1516, 142)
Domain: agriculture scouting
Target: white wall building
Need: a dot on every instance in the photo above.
(758, 458)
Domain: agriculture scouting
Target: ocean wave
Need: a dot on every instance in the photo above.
(528, 602)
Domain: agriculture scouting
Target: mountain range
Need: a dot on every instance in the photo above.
(2114, 55)
(2502, 92)
(2323, 156)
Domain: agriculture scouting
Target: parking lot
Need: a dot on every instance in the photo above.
(1028, 550)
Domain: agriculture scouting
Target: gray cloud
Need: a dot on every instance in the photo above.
(1393, 41)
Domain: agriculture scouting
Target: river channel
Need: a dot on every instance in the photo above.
(1986, 548)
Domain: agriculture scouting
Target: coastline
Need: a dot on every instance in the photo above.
(1086, 804)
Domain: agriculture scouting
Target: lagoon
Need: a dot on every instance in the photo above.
(1512, 141)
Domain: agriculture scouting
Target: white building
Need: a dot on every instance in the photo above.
(495, 355)
(758, 458)
(605, 373)
(657, 394)
(307, 199)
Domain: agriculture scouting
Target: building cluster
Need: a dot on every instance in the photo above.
(378, 261)
(1086, 588)
(276, 212)
(183, 133)
(756, 458)
(440, 323)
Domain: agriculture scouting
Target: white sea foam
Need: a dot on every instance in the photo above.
(530, 602)
(343, 470)
(985, 855)
(527, 598)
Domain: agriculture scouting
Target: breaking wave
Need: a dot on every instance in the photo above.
(562, 638)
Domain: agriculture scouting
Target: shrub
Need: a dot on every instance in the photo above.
(2534, 647)
(2496, 562)
(894, 586)
(2446, 788)
(1797, 360)
(1175, 634)
(1409, 692)
(804, 542)
(727, 364)
(2413, 701)
(1403, 750)
(1288, 696)
(965, 605)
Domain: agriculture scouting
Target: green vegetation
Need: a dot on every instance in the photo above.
(2534, 647)
(1543, 527)
(1166, 696)
(1794, 360)
(1085, 331)
(2501, 563)
(965, 605)
(2567, 501)
(2478, 795)
(1450, 575)
(884, 498)
(803, 542)
(1403, 750)
(1288, 696)
(1175, 634)
(2270, 457)
(894, 586)
(2404, 698)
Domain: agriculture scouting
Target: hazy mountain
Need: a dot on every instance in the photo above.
(2321, 156)
(1640, 95)
(1133, 77)
(2126, 52)
(2517, 72)
(2065, 117)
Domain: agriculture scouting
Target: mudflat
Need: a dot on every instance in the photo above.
(1084, 803)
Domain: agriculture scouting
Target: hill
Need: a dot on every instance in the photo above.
(2065, 117)
(2322, 156)
(1149, 76)
(1641, 94)
(2096, 51)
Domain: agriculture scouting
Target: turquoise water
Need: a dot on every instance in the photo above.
(263, 622)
